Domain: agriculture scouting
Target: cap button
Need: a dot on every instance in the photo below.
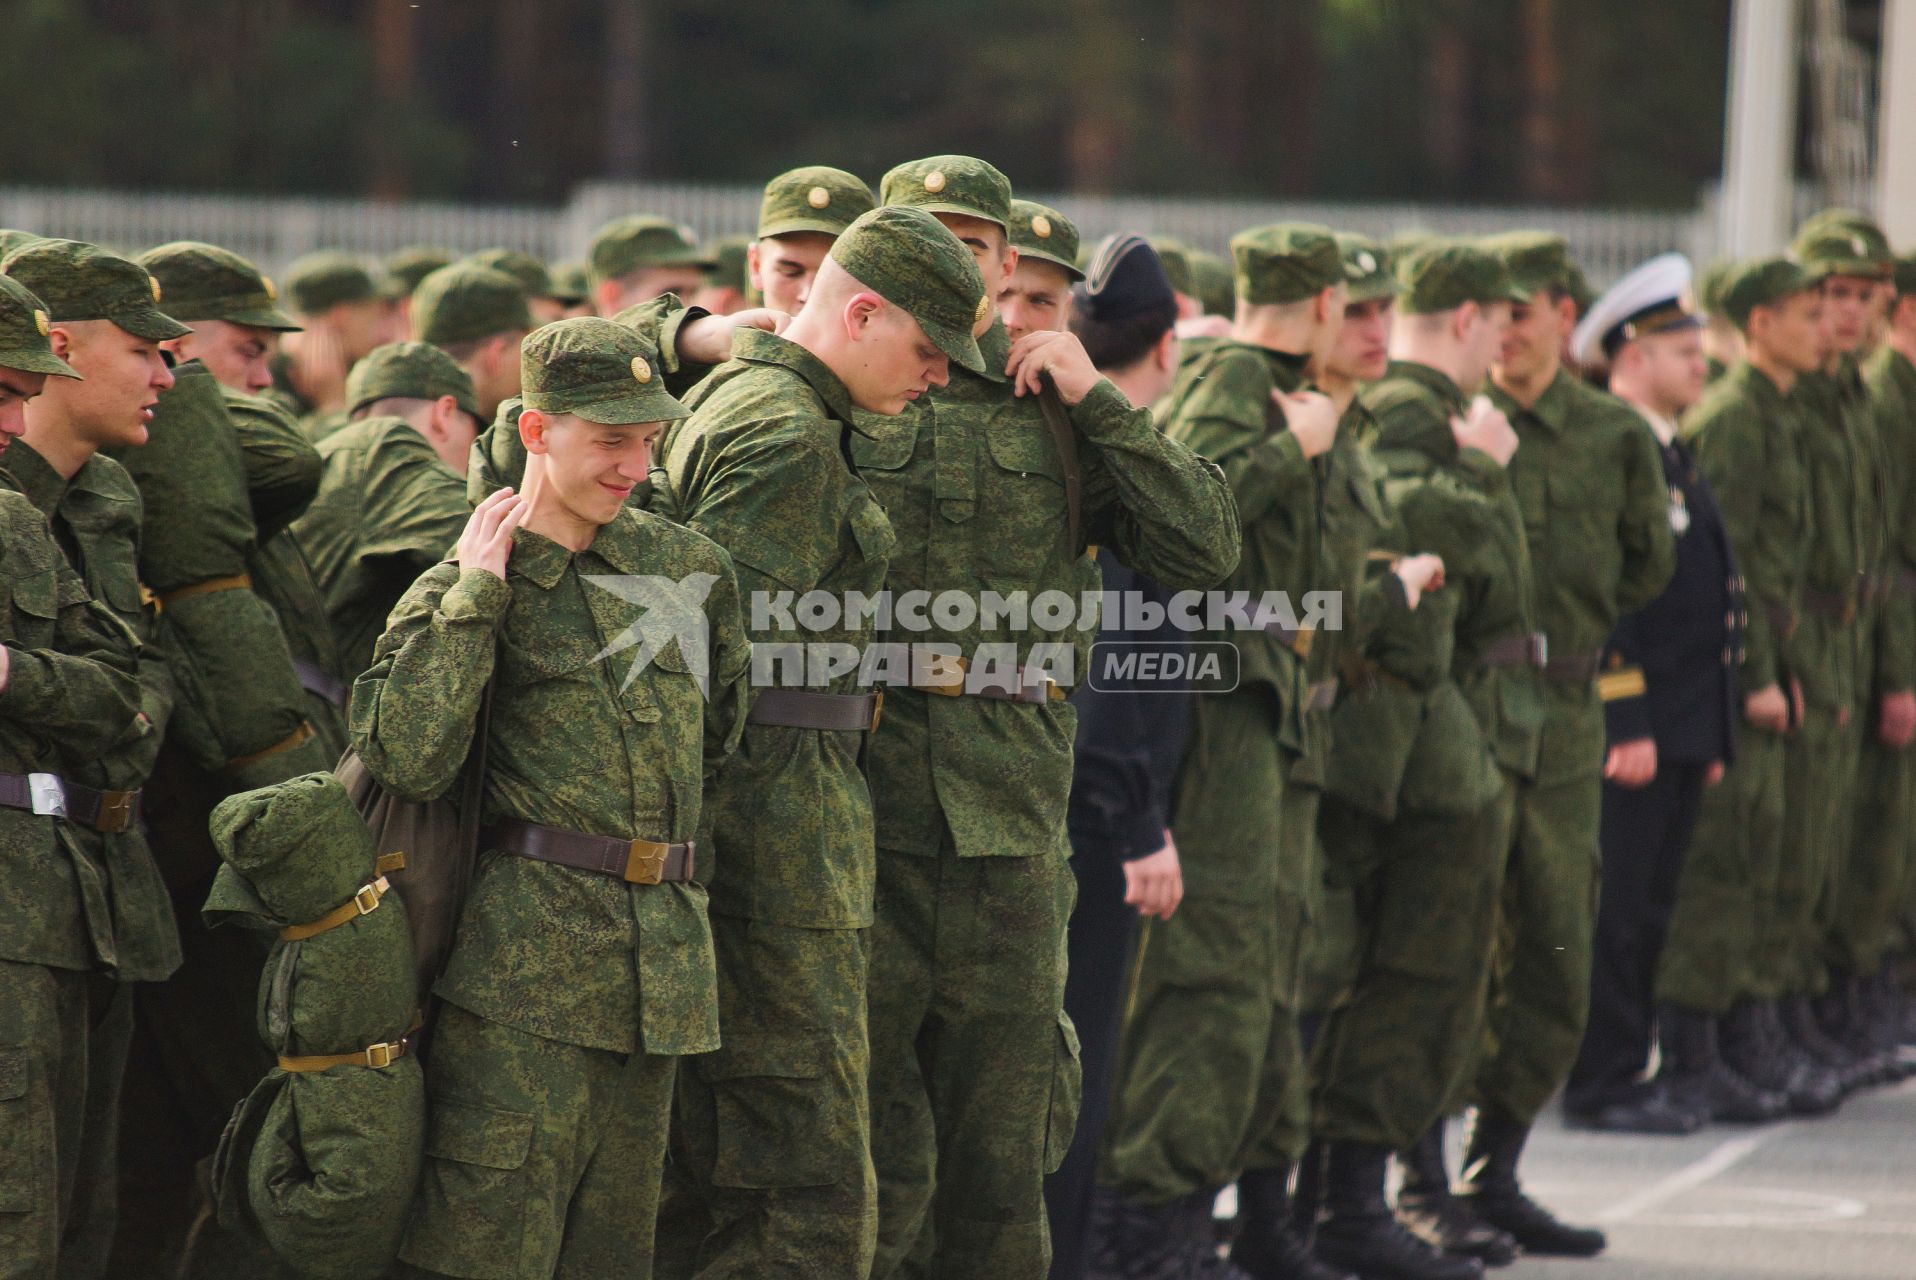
(154, 282)
(272, 290)
(983, 305)
(1041, 227)
(818, 197)
(641, 370)
(41, 323)
(935, 181)
(1365, 262)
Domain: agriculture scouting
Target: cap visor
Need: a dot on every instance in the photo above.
(150, 323)
(964, 210)
(1039, 255)
(792, 226)
(956, 343)
(37, 362)
(265, 318)
(1372, 291)
(619, 411)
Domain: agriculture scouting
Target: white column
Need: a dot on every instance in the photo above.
(1759, 131)
(1896, 125)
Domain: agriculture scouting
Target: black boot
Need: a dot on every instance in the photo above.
(1812, 1087)
(1269, 1244)
(1802, 1025)
(1357, 1231)
(1845, 1014)
(1430, 1212)
(1696, 1075)
(1174, 1241)
(1886, 1004)
(1491, 1190)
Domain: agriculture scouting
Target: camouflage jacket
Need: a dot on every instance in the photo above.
(762, 467)
(1891, 380)
(974, 488)
(388, 509)
(72, 690)
(578, 740)
(95, 519)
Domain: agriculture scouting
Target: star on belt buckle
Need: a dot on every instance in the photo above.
(47, 794)
(645, 862)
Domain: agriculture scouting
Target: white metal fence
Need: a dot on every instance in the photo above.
(272, 231)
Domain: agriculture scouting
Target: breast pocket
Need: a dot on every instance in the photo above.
(35, 608)
(544, 689)
(1026, 520)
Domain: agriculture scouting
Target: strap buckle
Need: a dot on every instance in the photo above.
(645, 862)
(1539, 649)
(878, 709)
(384, 1055)
(48, 794)
(369, 895)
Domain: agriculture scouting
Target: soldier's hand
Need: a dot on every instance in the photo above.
(487, 540)
(1896, 719)
(1154, 884)
(1311, 417)
(1768, 709)
(708, 339)
(1713, 773)
(1632, 764)
(1796, 701)
(1486, 429)
(1054, 352)
(1204, 327)
(1419, 574)
(6, 666)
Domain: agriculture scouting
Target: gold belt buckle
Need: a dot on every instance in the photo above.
(938, 673)
(645, 862)
(1301, 641)
(384, 1055)
(116, 811)
(878, 709)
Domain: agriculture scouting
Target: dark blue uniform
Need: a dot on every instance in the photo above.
(1669, 675)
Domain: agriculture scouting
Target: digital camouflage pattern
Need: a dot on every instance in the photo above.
(812, 198)
(206, 282)
(630, 244)
(1442, 275)
(409, 371)
(949, 184)
(388, 509)
(468, 302)
(911, 261)
(319, 282)
(1285, 262)
(595, 369)
(1039, 232)
(406, 268)
(23, 343)
(531, 273)
(84, 282)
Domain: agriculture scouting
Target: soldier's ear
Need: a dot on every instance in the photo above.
(532, 430)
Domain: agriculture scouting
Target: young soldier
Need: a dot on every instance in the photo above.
(801, 213)
(773, 1131)
(974, 1069)
(547, 300)
(392, 490)
(636, 259)
(342, 316)
(1211, 1081)
(478, 316)
(1038, 299)
(102, 913)
(583, 963)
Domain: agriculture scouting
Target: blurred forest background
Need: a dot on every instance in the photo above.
(1618, 102)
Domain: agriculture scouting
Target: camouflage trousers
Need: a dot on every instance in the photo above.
(975, 1080)
(1399, 1044)
(1539, 997)
(1865, 905)
(1211, 1077)
(542, 1158)
(771, 1172)
(1819, 819)
(1713, 955)
(63, 1038)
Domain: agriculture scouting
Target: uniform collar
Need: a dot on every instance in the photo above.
(995, 346)
(1434, 379)
(1553, 406)
(620, 544)
(35, 476)
(756, 346)
(1666, 430)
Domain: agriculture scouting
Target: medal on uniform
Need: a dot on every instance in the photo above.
(1679, 512)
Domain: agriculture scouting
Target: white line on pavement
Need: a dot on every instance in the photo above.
(1690, 1176)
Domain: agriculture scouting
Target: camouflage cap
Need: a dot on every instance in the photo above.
(531, 273)
(1577, 284)
(321, 281)
(1402, 244)
(206, 282)
(1761, 282)
(410, 371)
(1045, 234)
(571, 282)
(1285, 262)
(1212, 283)
(406, 268)
(466, 302)
(909, 259)
(1709, 286)
(596, 370)
(1367, 267)
(79, 281)
(1903, 274)
(11, 240)
(950, 184)
(24, 325)
(1535, 259)
(730, 266)
(1443, 275)
(1841, 242)
(625, 245)
(814, 198)
(1176, 257)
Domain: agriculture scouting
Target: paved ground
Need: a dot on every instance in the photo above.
(1829, 1199)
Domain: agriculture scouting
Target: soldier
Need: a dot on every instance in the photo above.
(406, 268)
(392, 491)
(1131, 738)
(801, 213)
(1211, 1081)
(1038, 299)
(773, 1131)
(572, 286)
(546, 300)
(972, 1057)
(1721, 958)
(239, 336)
(1670, 736)
(342, 315)
(74, 721)
(724, 289)
(1445, 458)
(1211, 280)
(478, 316)
(636, 259)
(582, 968)
(1722, 340)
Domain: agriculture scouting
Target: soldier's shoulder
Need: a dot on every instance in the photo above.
(646, 542)
(107, 478)
(261, 407)
(23, 530)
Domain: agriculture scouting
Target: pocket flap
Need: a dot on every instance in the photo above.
(779, 1054)
(469, 1133)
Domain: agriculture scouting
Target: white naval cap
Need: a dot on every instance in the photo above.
(1649, 300)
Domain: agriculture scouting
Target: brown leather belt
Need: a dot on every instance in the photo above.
(231, 582)
(1578, 669)
(633, 861)
(1532, 650)
(287, 743)
(1831, 604)
(320, 683)
(811, 709)
(1361, 673)
(49, 795)
(1032, 686)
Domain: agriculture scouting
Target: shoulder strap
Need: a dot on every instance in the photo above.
(1062, 435)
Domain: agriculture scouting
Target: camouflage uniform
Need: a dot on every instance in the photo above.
(974, 1067)
(570, 993)
(772, 1132)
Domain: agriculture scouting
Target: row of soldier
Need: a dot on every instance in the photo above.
(884, 1069)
